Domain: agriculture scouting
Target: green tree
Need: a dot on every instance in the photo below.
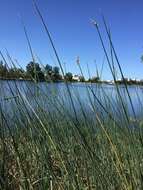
(15, 72)
(56, 70)
(68, 76)
(34, 71)
(56, 74)
(3, 70)
(82, 79)
(95, 79)
(48, 71)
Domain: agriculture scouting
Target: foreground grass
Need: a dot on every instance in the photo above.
(54, 149)
(29, 161)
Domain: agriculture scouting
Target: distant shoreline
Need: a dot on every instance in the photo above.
(15, 79)
(87, 82)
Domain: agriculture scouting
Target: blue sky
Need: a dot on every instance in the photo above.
(73, 34)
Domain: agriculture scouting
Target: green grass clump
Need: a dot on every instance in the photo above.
(46, 149)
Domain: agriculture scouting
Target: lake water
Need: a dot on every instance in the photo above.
(82, 98)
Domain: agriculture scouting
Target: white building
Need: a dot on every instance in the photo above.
(76, 78)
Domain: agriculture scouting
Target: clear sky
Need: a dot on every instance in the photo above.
(73, 34)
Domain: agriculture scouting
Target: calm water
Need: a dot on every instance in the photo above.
(27, 96)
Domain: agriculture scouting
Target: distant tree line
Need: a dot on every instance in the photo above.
(94, 79)
(130, 81)
(35, 72)
(48, 73)
(39, 73)
(11, 72)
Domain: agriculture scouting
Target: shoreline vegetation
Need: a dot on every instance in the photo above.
(52, 74)
(119, 82)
